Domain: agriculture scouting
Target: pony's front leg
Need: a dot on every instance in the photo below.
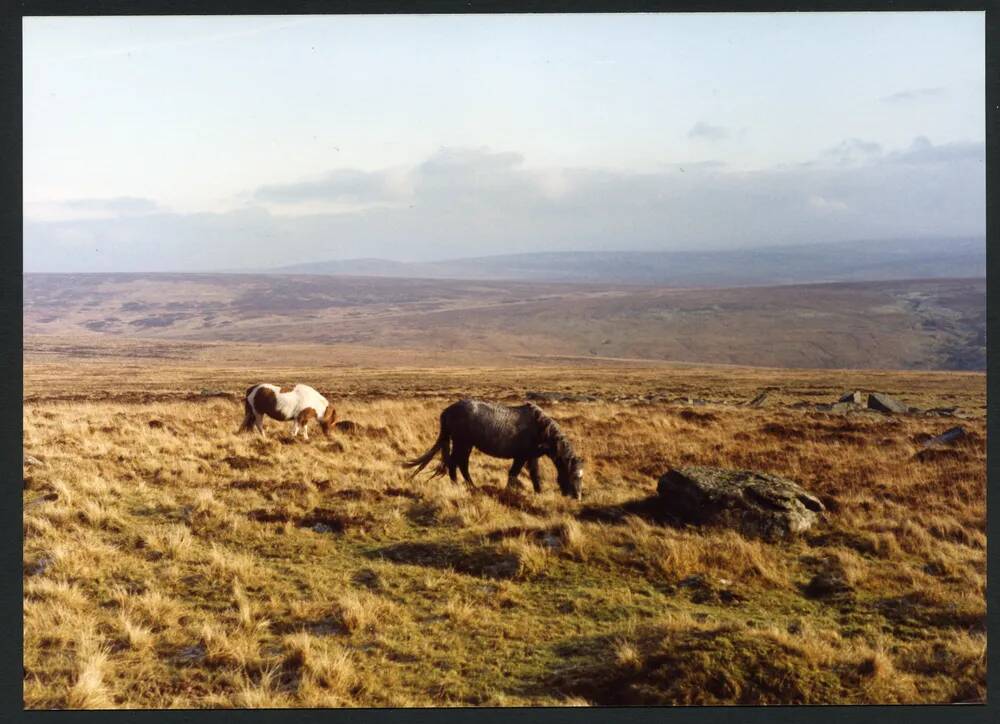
(515, 470)
(305, 431)
(259, 426)
(536, 478)
(295, 429)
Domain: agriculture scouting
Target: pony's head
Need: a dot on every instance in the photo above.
(569, 476)
(569, 467)
(326, 422)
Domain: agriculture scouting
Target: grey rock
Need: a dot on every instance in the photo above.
(884, 403)
(943, 412)
(947, 437)
(39, 566)
(844, 407)
(322, 528)
(759, 400)
(857, 397)
(758, 505)
(216, 393)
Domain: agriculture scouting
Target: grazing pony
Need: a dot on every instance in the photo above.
(523, 433)
(301, 404)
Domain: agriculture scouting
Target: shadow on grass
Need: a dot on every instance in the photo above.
(481, 562)
(720, 665)
(651, 509)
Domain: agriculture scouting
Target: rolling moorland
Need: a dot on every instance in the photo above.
(169, 562)
(851, 261)
(924, 324)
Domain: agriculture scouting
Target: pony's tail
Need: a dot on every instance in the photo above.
(249, 417)
(442, 444)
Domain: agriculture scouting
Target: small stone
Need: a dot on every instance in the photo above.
(322, 528)
(551, 541)
(857, 397)
(39, 566)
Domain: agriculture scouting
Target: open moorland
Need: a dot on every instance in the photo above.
(169, 562)
(923, 324)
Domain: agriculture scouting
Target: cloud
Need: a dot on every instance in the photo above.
(922, 151)
(92, 208)
(472, 202)
(913, 94)
(708, 132)
(853, 150)
(340, 185)
(121, 205)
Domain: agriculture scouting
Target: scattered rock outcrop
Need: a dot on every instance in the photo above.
(217, 393)
(558, 397)
(857, 397)
(756, 504)
(884, 403)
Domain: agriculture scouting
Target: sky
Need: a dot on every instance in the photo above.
(206, 143)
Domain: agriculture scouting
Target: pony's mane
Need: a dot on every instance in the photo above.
(562, 448)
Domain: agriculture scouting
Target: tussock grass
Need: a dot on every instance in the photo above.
(182, 565)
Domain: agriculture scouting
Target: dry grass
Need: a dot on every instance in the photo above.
(182, 565)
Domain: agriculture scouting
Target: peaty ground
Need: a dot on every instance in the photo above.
(169, 562)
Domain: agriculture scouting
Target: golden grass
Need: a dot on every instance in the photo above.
(182, 565)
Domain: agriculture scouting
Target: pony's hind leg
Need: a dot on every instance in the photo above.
(463, 465)
(459, 460)
(258, 424)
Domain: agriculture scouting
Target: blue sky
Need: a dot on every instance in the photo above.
(215, 142)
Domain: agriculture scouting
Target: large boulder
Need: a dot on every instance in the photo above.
(757, 505)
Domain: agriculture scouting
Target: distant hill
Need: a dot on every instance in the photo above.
(922, 324)
(840, 262)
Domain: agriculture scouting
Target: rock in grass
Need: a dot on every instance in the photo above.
(857, 397)
(759, 400)
(884, 403)
(32, 461)
(947, 437)
(758, 505)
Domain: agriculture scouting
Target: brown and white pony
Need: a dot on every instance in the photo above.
(300, 404)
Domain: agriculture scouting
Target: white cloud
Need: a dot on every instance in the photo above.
(467, 202)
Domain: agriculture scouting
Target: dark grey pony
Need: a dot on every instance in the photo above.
(523, 433)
